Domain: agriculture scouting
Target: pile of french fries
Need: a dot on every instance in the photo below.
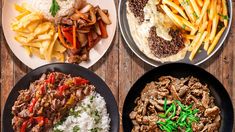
(200, 19)
(37, 35)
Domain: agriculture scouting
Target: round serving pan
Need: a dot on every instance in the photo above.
(73, 70)
(218, 91)
(199, 58)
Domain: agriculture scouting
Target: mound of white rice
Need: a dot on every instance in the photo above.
(43, 6)
(90, 115)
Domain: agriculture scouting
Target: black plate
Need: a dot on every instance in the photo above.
(222, 98)
(72, 69)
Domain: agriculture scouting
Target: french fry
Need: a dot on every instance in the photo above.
(32, 44)
(28, 51)
(19, 8)
(213, 8)
(50, 48)
(203, 27)
(203, 12)
(188, 9)
(225, 12)
(171, 15)
(187, 23)
(206, 45)
(197, 46)
(176, 7)
(193, 32)
(23, 14)
(204, 18)
(195, 7)
(215, 41)
(194, 42)
(200, 3)
(187, 42)
(176, 2)
(214, 27)
(189, 37)
(209, 27)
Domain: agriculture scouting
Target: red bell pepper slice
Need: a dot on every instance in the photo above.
(51, 78)
(42, 89)
(80, 81)
(62, 88)
(32, 104)
(25, 124)
(39, 120)
(67, 36)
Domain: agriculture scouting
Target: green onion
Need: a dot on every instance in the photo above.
(164, 106)
(186, 117)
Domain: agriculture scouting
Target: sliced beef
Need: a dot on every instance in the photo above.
(166, 90)
(162, 48)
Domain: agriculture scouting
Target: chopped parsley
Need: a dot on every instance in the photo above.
(183, 26)
(76, 129)
(97, 129)
(54, 8)
(185, 2)
(225, 17)
(194, 14)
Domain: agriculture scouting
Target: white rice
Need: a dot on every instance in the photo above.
(43, 6)
(89, 115)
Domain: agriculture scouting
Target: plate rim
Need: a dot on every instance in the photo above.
(219, 45)
(132, 88)
(57, 65)
(112, 36)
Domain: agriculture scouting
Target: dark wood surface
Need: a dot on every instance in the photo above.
(120, 68)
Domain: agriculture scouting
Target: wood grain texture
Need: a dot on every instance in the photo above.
(120, 68)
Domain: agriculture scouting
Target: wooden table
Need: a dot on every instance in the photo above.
(120, 67)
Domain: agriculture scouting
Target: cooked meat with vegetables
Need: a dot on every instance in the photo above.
(175, 104)
(47, 101)
(64, 30)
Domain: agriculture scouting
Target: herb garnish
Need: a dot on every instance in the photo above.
(54, 8)
(76, 129)
(223, 16)
(186, 117)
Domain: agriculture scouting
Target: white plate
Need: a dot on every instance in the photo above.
(8, 14)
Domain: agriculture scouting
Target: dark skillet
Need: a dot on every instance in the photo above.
(222, 98)
(72, 69)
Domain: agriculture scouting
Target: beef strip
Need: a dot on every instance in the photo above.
(188, 90)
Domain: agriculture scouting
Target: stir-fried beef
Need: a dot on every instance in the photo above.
(189, 91)
(163, 48)
(47, 101)
(137, 8)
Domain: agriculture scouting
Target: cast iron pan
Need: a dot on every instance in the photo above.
(222, 98)
(72, 69)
